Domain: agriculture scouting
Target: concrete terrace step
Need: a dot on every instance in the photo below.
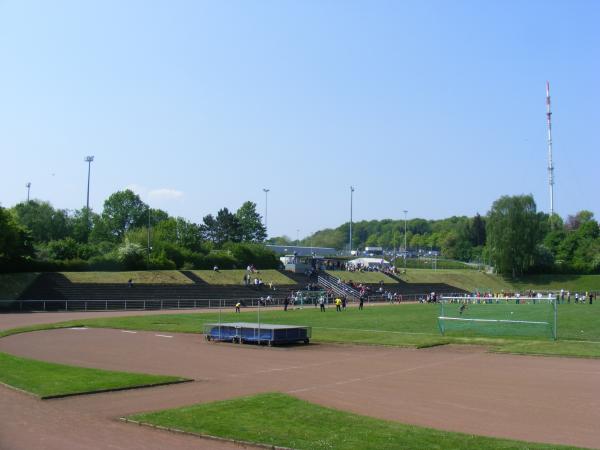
(54, 286)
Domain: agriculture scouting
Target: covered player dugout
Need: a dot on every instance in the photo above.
(257, 333)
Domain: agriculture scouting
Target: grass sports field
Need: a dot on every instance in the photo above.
(413, 325)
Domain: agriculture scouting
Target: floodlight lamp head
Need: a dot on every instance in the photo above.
(265, 190)
(89, 159)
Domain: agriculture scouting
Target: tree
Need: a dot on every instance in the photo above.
(123, 211)
(62, 249)
(574, 222)
(251, 227)
(209, 228)
(513, 232)
(81, 222)
(228, 227)
(224, 228)
(131, 255)
(15, 240)
(477, 231)
(44, 222)
(180, 232)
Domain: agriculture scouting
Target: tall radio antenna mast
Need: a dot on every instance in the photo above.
(550, 164)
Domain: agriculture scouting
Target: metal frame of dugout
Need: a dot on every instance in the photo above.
(257, 333)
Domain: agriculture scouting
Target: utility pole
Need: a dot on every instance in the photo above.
(550, 164)
(148, 242)
(266, 191)
(350, 236)
(28, 186)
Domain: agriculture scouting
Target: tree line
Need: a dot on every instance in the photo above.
(513, 237)
(128, 234)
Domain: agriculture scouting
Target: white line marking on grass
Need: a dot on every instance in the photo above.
(78, 328)
(128, 331)
(163, 335)
(375, 331)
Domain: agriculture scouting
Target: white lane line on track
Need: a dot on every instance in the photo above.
(163, 335)
(128, 331)
(78, 328)
(380, 375)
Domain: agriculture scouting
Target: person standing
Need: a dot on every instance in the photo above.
(344, 302)
(237, 307)
(338, 304)
(322, 303)
(361, 301)
(286, 302)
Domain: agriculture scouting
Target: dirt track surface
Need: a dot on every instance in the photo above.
(554, 400)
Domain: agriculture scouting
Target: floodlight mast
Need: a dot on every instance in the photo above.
(88, 159)
(350, 234)
(28, 186)
(266, 191)
(405, 248)
(550, 164)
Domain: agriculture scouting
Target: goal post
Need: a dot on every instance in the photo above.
(494, 316)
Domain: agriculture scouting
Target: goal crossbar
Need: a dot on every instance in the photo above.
(464, 319)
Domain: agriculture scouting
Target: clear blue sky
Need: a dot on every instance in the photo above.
(434, 107)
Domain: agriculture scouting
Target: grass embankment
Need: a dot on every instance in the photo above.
(236, 276)
(48, 380)
(140, 276)
(413, 325)
(473, 280)
(362, 277)
(13, 284)
(428, 263)
(282, 420)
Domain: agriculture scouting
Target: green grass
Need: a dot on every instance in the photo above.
(282, 420)
(411, 325)
(237, 276)
(12, 284)
(471, 281)
(48, 380)
(362, 277)
(141, 277)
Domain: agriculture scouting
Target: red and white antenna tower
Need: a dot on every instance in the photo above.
(550, 164)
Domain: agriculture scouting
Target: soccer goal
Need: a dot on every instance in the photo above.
(510, 316)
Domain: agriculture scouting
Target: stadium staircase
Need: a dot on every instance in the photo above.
(401, 287)
(339, 288)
